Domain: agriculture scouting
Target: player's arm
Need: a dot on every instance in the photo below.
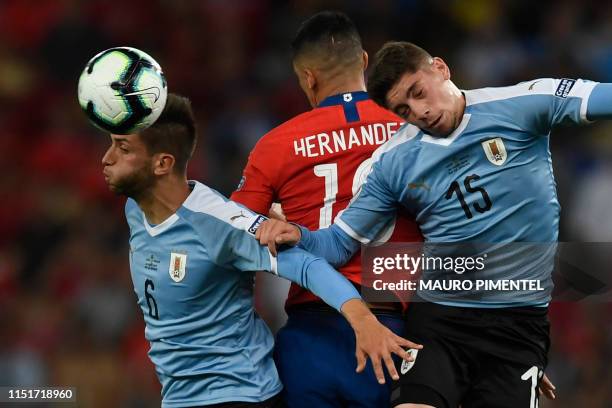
(235, 246)
(372, 338)
(332, 244)
(551, 102)
(600, 103)
(370, 211)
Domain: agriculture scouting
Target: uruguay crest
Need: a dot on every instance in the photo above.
(178, 263)
(495, 151)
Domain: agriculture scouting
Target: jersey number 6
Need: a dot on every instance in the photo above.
(153, 312)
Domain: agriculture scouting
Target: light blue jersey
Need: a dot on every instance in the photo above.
(489, 181)
(193, 276)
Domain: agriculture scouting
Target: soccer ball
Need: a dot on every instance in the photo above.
(122, 90)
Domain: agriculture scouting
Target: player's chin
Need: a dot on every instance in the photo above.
(114, 188)
(441, 130)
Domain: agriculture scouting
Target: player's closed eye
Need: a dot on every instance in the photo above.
(402, 111)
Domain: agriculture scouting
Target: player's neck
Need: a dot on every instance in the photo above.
(356, 85)
(164, 199)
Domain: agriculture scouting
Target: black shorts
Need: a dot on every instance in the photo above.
(473, 357)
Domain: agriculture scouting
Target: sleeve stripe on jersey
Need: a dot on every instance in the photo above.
(205, 200)
(351, 232)
(404, 134)
(543, 86)
(584, 92)
(273, 263)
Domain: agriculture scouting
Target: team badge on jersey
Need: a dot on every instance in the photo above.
(495, 151)
(178, 264)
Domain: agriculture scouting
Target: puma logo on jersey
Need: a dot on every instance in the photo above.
(407, 365)
(419, 184)
(533, 84)
(235, 217)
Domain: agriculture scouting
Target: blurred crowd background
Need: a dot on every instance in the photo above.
(68, 314)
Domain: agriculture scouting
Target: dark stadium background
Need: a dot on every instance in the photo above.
(67, 310)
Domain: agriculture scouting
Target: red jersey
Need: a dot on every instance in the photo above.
(314, 163)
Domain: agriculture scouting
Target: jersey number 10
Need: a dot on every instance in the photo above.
(329, 172)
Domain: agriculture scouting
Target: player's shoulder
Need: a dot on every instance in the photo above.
(404, 142)
(206, 206)
(534, 87)
(372, 112)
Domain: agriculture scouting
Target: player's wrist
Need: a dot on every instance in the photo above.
(301, 232)
(356, 312)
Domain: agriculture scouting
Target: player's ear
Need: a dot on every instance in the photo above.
(163, 163)
(311, 78)
(440, 66)
(365, 60)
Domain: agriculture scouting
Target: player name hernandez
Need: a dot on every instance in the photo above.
(344, 139)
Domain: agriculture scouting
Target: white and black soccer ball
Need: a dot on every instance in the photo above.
(122, 90)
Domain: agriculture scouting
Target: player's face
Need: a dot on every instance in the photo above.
(127, 166)
(428, 99)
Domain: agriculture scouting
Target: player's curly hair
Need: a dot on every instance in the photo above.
(173, 132)
(391, 62)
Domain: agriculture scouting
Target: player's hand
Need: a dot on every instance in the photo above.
(276, 232)
(547, 388)
(375, 341)
(276, 212)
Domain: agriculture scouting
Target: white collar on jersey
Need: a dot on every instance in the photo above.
(168, 222)
(446, 141)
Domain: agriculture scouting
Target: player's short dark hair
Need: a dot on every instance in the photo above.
(391, 62)
(174, 132)
(329, 35)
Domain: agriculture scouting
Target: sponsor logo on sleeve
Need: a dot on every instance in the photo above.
(255, 225)
(564, 88)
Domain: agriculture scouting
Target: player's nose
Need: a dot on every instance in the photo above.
(422, 112)
(106, 159)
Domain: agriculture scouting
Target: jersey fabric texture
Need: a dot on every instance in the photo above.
(314, 163)
(489, 181)
(193, 277)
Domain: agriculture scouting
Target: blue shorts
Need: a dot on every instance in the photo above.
(315, 357)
